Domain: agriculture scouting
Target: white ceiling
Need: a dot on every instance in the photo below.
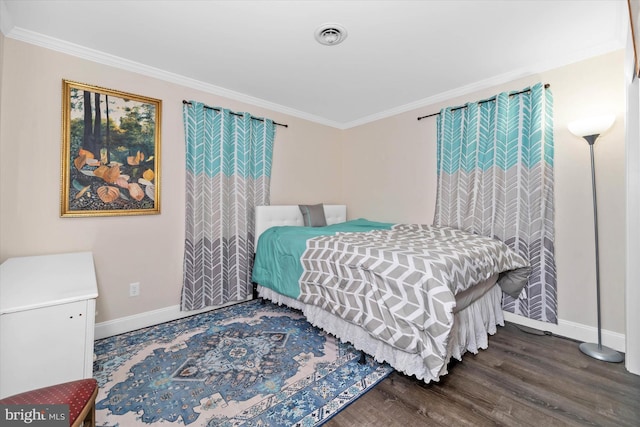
(399, 55)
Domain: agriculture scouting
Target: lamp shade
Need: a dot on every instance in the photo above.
(591, 125)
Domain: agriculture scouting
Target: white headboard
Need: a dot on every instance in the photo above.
(271, 216)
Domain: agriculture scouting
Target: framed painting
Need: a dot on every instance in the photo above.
(110, 152)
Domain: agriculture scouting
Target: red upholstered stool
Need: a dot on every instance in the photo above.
(80, 395)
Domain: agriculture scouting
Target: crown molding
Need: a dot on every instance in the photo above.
(616, 42)
(601, 49)
(20, 34)
(100, 57)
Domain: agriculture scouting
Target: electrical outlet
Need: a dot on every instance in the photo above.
(134, 289)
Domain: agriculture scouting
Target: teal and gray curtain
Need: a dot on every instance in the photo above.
(495, 178)
(228, 173)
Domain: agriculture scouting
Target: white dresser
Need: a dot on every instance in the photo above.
(47, 318)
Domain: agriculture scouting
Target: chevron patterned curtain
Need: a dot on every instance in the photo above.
(228, 173)
(495, 178)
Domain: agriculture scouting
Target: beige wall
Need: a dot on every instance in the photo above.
(383, 170)
(389, 170)
(146, 249)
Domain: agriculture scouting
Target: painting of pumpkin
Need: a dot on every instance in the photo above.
(80, 161)
(86, 153)
(148, 175)
(108, 194)
(135, 191)
(135, 160)
(112, 174)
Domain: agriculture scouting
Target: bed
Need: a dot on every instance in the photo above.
(411, 295)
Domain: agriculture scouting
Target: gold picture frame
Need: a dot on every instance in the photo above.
(110, 152)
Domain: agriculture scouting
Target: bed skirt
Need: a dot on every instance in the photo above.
(471, 329)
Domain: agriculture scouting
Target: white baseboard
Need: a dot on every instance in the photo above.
(576, 331)
(564, 328)
(148, 318)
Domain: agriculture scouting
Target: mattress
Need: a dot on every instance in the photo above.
(412, 295)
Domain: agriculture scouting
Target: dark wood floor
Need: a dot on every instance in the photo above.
(522, 379)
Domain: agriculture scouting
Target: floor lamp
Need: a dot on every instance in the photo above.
(590, 129)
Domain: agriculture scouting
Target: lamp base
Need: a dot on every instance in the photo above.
(601, 352)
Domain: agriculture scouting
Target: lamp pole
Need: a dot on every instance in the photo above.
(597, 351)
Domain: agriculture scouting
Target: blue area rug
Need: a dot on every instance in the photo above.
(250, 364)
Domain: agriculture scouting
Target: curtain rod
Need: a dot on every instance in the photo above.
(493, 98)
(236, 114)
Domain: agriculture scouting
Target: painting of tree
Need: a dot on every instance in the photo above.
(111, 151)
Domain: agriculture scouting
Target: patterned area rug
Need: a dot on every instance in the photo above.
(250, 364)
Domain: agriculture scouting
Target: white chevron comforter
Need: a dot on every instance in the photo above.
(399, 284)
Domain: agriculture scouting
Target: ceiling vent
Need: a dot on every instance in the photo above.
(330, 34)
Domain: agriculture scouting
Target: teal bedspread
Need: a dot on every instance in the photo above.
(277, 264)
